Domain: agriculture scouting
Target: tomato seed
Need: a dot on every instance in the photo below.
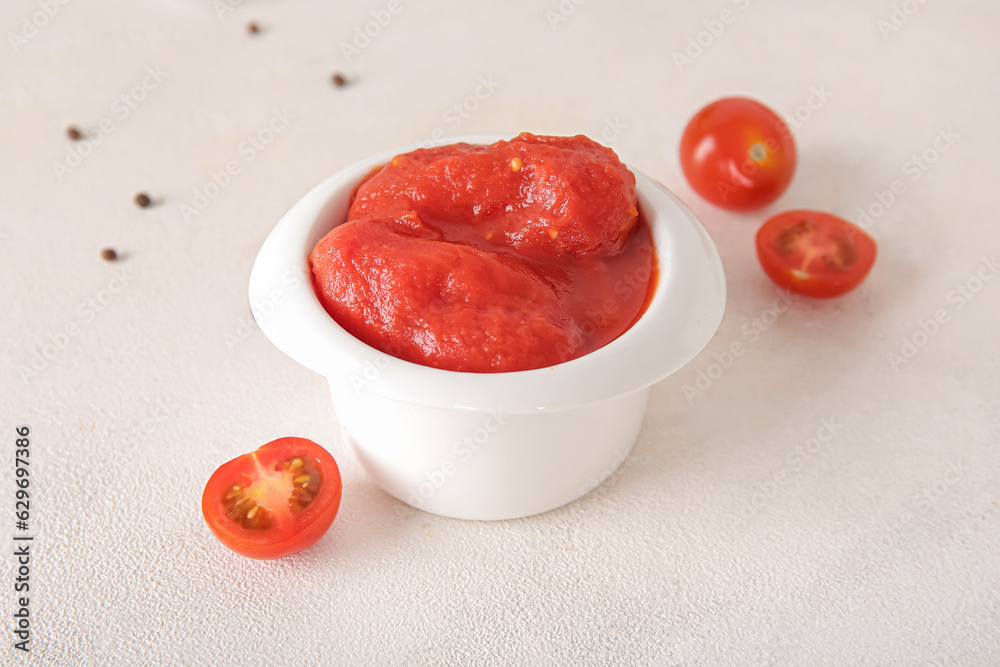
(789, 237)
(846, 254)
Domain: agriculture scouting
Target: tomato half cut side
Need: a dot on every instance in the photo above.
(275, 501)
(738, 154)
(814, 253)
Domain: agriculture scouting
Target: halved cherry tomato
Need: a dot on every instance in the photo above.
(275, 501)
(738, 154)
(815, 253)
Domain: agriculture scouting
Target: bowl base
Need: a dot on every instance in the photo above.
(488, 465)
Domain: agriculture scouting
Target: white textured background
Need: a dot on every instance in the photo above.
(878, 547)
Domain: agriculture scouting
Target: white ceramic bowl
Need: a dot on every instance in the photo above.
(489, 445)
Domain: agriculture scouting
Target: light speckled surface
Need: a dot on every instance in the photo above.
(728, 537)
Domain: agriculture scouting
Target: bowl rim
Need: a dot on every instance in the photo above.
(682, 316)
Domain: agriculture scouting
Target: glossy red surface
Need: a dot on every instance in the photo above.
(513, 256)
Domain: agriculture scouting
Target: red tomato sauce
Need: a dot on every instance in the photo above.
(518, 255)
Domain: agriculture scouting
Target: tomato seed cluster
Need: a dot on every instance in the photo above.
(242, 509)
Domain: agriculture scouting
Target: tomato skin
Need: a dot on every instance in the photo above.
(291, 532)
(738, 154)
(814, 253)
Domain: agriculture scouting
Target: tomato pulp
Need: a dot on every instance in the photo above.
(738, 154)
(814, 253)
(508, 257)
(275, 501)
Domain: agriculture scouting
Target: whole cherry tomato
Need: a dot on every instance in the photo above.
(738, 154)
